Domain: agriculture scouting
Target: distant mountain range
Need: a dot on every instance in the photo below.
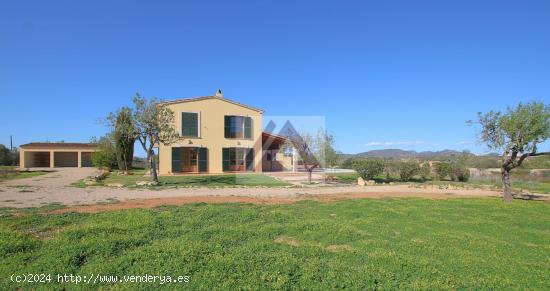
(403, 154)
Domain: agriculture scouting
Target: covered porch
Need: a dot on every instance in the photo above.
(278, 154)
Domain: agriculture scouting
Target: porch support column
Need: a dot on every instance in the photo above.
(22, 158)
(52, 159)
(294, 160)
(80, 159)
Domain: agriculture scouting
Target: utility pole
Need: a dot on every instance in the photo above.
(11, 143)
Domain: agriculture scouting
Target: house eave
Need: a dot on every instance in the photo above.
(195, 99)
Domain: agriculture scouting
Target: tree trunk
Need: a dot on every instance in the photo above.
(124, 168)
(309, 172)
(506, 187)
(153, 167)
(130, 153)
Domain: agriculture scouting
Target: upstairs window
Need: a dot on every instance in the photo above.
(238, 127)
(190, 124)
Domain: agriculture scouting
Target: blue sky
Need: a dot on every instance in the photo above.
(384, 74)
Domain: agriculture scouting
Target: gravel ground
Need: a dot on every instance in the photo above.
(55, 188)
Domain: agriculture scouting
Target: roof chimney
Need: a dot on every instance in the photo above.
(219, 94)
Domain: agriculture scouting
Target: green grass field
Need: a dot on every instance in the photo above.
(344, 177)
(354, 244)
(225, 180)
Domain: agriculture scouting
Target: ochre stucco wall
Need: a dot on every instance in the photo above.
(211, 133)
(26, 156)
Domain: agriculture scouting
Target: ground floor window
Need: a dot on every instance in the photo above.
(238, 159)
(189, 160)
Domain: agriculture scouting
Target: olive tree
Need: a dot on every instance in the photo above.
(408, 169)
(442, 170)
(154, 124)
(325, 145)
(458, 169)
(517, 133)
(307, 148)
(369, 168)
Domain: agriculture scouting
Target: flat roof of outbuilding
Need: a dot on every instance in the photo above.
(58, 145)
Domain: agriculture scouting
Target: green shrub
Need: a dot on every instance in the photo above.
(465, 176)
(459, 172)
(104, 157)
(408, 169)
(442, 170)
(348, 163)
(540, 162)
(484, 162)
(8, 157)
(391, 169)
(368, 169)
(425, 171)
(455, 170)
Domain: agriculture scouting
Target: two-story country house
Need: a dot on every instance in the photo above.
(218, 135)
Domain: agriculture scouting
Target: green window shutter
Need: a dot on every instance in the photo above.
(176, 160)
(248, 127)
(184, 124)
(194, 124)
(225, 159)
(203, 160)
(250, 160)
(190, 124)
(227, 126)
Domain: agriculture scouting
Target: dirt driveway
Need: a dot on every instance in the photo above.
(55, 188)
(57, 178)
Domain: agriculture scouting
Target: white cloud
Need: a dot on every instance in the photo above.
(394, 143)
(463, 142)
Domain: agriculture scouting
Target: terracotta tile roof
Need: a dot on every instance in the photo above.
(211, 97)
(58, 145)
(266, 134)
(272, 141)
